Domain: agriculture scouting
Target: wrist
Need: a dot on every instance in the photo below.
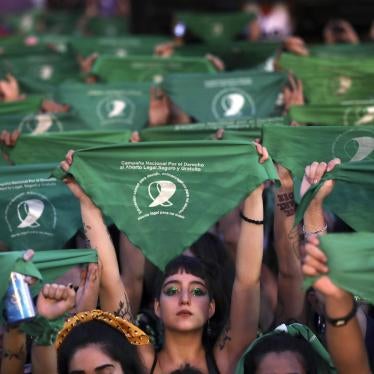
(340, 310)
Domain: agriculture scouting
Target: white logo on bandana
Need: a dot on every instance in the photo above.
(232, 103)
(354, 145)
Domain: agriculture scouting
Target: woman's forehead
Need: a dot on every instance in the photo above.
(183, 277)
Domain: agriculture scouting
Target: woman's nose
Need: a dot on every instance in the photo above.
(185, 297)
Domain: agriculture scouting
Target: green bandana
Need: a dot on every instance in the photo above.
(343, 50)
(350, 261)
(52, 147)
(297, 330)
(124, 46)
(236, 55)
(59, 22)
(354, 183)
(226, 96)
(40, 73)
(147, 69)
(39, 123)
(297, 147)
(361, 113)
(249, 129)
(333, 80)
(108, 26)
(109, 106)
(15, 46)
(214, 27)
(45, 266)
(30, 104)
(157, 189)
(36, 212)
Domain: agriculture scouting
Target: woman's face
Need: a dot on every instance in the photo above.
(184, 303)
(92, 360)
(286, 362)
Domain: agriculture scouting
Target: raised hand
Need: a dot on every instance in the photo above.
(54, 300)
(9, 89)
(313, 174)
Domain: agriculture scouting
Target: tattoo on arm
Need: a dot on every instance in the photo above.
(20, 354)
(124, 309)
(286, 203)
(86, 228)
(224, 337)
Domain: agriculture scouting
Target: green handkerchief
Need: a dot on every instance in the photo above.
(52, 147)
(157, 189)
(358, 113)
(39, 123)
(216, 27)
(108, 106)
(235, 55)
(147, 69)
(36, 212)
(297, 147)
(350, 261)
(226, 96)
(332, 80)
(30, 104)
(249, 129)
(119, 46)
(108, 26)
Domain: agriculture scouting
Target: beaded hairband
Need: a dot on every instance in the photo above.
(133, 333)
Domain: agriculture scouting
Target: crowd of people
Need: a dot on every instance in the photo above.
(199, 203)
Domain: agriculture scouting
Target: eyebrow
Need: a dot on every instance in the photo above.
(97, 369)
(178, 282)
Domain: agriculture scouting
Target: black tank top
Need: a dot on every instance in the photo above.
(210, 363)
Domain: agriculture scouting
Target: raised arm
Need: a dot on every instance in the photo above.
(112, 295)
(314, 222)
(342, 323)
(245, 302)
(286, 242)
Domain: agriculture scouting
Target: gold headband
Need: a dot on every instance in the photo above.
(133, 333)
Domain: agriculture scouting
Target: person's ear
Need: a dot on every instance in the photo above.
(156, 307)
(212, 308)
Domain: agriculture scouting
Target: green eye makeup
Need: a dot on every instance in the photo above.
(198, 292)
(171, 291)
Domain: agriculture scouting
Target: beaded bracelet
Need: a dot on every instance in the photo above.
(308, 234)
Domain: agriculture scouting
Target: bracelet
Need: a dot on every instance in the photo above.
(308, 234)
(250, 220)
(339, 322)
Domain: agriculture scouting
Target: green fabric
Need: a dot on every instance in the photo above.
(343, 50)
(215, 27)
(250, 128)
(16, 46)
(38, 123)
(58, 22)
(20, 23)
(301, 331)
(108, 106)
(157, 189)
(30, 104)
(350, 261)
(120, 46)
(354, 183)
(45, 266)
(226, 96)
(52, 147)
(108, 26)
(147, 69)
(36, 212)
(42, 330)
(361, 113)
(297, 147)
(40, 73)
(332, 80)
(236, 55)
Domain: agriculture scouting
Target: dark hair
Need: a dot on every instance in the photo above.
(278, 343)
(192, 265)
(112, 342)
